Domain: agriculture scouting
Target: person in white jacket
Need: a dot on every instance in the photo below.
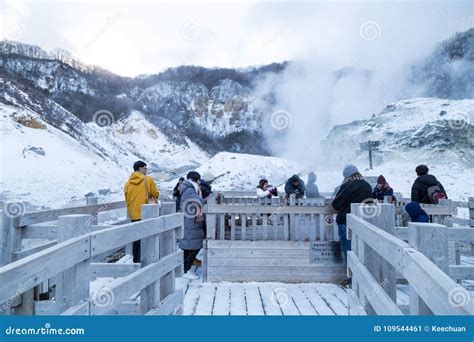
(264, 190)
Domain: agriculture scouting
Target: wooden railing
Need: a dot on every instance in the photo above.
(282, 221)
(377, 257)
(70, 261)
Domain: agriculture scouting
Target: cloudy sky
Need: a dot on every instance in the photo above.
(137, 37)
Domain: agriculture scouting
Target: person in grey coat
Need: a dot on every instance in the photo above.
(312, 190)
(191, 206)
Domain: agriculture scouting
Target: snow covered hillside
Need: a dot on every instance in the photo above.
(436, 132)
(243, 171)
(50, 157)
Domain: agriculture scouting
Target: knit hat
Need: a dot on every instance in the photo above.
(193, 175)
(207, 176)
(421, 170)
(381, 180)
(349, 170)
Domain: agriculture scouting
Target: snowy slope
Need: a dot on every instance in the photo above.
(49, 157)
(435, 132)
(243, 171)
(60, 169)
(144, 139)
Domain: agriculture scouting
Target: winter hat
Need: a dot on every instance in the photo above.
(421, 170)
(207, 176)
(381, 180)
(349, 170)
(193, 175)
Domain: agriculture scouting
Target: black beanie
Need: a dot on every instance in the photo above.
(193, 175)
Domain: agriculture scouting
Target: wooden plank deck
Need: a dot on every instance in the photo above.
(255, 298)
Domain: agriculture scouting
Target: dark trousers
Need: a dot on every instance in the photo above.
(345, 243)
(189, 257)
(136, 249)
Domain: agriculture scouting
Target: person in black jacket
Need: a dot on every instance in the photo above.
(295, 186)
(426, 184)
(177, 194)
(354, 189)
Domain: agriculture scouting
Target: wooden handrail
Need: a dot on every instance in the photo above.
(36, 268)
(51, 215)
(430, 283)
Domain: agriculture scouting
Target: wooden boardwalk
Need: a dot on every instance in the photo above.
(269, 299)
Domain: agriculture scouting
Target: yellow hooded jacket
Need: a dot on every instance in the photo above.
(135, 193)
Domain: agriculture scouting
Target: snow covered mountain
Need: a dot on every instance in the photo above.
(68, 128)
(449, 71)
(211, 106)
(436, 132)
(50, 157)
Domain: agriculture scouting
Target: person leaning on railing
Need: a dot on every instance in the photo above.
(354, 189)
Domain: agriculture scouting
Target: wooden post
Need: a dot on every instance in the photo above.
(382, 215)
(453, 246)
(211, 220)
(72, 285)
(94, 216)
(6, 250)
(150, 253)
(470, 205)
(168, 246)
(431, 240)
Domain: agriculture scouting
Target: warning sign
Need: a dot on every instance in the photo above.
(329, 219)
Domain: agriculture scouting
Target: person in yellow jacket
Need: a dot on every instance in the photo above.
(139, 189)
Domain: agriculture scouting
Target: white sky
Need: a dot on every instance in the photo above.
(137, 37)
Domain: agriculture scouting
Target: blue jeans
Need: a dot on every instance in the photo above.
(345, 244)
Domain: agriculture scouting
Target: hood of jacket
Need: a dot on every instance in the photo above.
(136, 178)
(186, 185)
(312, 178)
(414, 210)
(428, 180)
